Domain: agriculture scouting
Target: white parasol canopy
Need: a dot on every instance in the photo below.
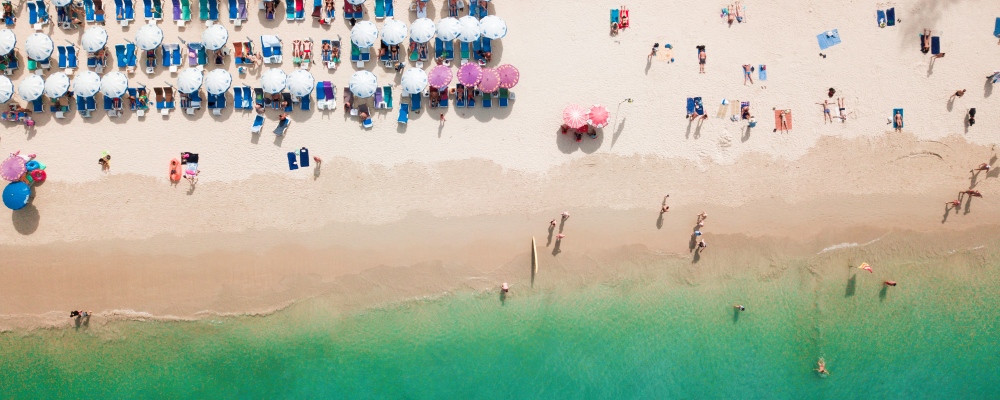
(31, 87)
(87, 84)
(393, 32)
(7, 41)
(149, 37)
(363, 84)
(492, 27)
(300, 83)
(414, 81)
(215, 37)
(39, 46)
(94, 39)
(468, 29)
(62, 3)
(218, 81)
(57, 85)
(6, 89)
(364, 34)
(422, 30)
(273, 80)
(114, 84)
(447, 29)
(189, 80)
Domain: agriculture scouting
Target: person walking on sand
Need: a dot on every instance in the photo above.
(701, 59)
(504, 287)
(973, 193)
(701, 219)
(442, 119)
(994, 77)
(827, 117)
(702, 245)
(552, 224)
(866, 267)
(889, 283)
(665, 207)
(982, 167)
(958, 93)
(565, 215)
(652, 53)
(747, 69)
(560, 237)
(953, 204)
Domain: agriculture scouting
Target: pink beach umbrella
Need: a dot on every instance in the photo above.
(13, 168)
(490, 81)
(470, 74)
(508, 76)
(575, 116)
(440, 76)
(598, 116)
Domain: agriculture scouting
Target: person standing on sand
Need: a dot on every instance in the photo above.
(665, 207)
(565, 215)
(552, 224)
(504, 287)
(701, 59)
(701, 218)
(953, 204)
(442, 119)
(958, 93)
(652, 53)
(702, 245)
(982, 167)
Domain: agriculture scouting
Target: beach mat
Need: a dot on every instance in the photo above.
(890, 16)
(880, 18)
(828, 39)
(303, 157)
(900, 112)
(996, 28)
(935, 45)
(291, 161)
(777, 120)
(722, 111)
(762, 72)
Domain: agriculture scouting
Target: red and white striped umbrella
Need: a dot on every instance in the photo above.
(598, 116)
(575, 116)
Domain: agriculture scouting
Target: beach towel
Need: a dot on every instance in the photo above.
(777, 120)
(304, 157)
(890, 16)
(404, 113)
(699, 106)
(996, 28)
(690, 106)
(900, 112)
(828, 38)
(762, 74)
(935, 45)
(291, 160)
(880, 18)
(280, 130)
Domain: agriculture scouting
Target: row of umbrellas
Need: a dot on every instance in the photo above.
(39, 46)
(467, 29)
(577, 117)
(414, 80)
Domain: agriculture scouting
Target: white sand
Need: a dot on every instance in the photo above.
(521, 166)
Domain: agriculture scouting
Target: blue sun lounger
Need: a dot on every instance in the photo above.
(233, 15)
(880, 18)
(404, 113)
(828, 38)
(129, 14)
(503, 97)
(213, 10)
(292, 159)
(415, 101)
(281, 128)
(487, 100)
(258, 122)
(996, 28)
(88, 10)
(120, 56)
(900, 112)
(890, 16)
(443, 98)
(305, 102)
(238, 98)
(935, 45)
(290, 10)
(304, 157)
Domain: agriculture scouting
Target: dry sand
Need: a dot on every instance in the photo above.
(397, 213)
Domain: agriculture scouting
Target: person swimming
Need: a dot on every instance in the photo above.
(821, 367)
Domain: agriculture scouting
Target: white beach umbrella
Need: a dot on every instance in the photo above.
(39, 46)
(273, 80)
(364, 34)
(218, 81)
(393, 32)
(114, 84)
(422, 30)
(447, 29)
(189, 80)
(31, 87)
(300, 83)
(7, 41)
(6, 89)
(149, 37)
(363, 84)
(414, 81)
(94, 39)
(215, 37)
(356, 2)
(57, 85)
(87, 84)
(492, 27)
(468, 29)
(62, 3)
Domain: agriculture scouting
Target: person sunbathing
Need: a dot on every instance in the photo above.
(150, 58)
(326, 51)
(269, 9)
(307, 46)
(435, 98)
(898, 119)
(739, 18)
(925, 42)
(745, 112)
(219, 56)
(842, 108)
(731, 16)
(383, 50)
(394, 52)
(335, 54)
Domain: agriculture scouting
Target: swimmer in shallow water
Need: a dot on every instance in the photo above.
(821, 367)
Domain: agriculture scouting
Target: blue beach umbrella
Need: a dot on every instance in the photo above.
(16, 195)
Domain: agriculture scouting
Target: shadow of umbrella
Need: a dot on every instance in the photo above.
(26, 220)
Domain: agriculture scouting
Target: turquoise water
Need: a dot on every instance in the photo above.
(930, 337)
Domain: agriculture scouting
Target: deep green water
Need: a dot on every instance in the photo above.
(930, 337)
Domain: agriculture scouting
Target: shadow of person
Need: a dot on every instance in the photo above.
(968, 206)
(951, 103)
(694, 241)
(882, 293)
(947, 211)
(316, 171)
(659, 221)
(988, 87)
(736, 315)
(618, 132)
(26, 220)
(77, 322)
(555, 249)
(852, 285)
(562, 223)
(552, 230)
(697, 257)
(503, 298)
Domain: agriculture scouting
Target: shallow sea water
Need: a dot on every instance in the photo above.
(933, 336)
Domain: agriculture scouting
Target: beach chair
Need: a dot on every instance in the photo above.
(292, 166)
(415, 100)
(320, 96)
(195, 102)
(147, 9)
(996, 28)
(460, 96)
(880, 18)
(98, 11)
(503, 97)
(239, 58)
(330, 92)
(61, 50)
(473, 8)
(233, 15)
(258, 96)
(258, 122)
(286, 98)
(300, 10)
(329, 15)
(378, 98)
(120, 56)
(289, 10)
(935, 45)
(355, 53)
(379, 9)
(107, 106)
(197, 55)
(281, 128)
(203, 10)
(241, 12)
(470, 97)
(168, 100)
(404, 113)
(438, 48)
(387, 97)
(890, 16)
(33, 14)
(464, 48)
(132, 94)
(487, 100)
(305, 102)
(213, 12)
(477, 48)
(442, 97)
(449, 52)
(238, 98)
(271, 49)
(129, 13)
(88, 10)
(367, 123)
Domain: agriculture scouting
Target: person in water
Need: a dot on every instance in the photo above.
(890, 283)
(504, 287)
(740, 307)
(821, 367)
